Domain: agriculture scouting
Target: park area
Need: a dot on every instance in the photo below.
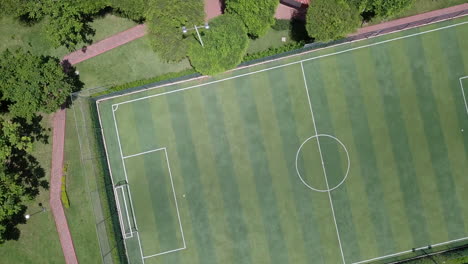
(352, 154)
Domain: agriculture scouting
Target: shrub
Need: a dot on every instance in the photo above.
(331, 19)
(64, 195)
(225, 45)
(273, 51)
(165, 23)
(258, 16)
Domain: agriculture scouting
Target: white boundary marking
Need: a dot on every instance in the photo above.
(175, 200)
(280, 66)
(271, 68)
(347, 170)
(410, 251)
(463, 92)
(323, 164)
(126, 210)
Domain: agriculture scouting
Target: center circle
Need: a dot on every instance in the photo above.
(329, 188)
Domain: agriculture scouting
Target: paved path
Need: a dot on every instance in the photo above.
(58, 141)
(213, 8)
(107, 44)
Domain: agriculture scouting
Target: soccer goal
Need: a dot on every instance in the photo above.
(125, 210)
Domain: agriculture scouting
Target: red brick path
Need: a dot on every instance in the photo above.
(106, 44)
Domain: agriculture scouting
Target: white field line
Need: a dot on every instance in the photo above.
(110, 168)
(165, 252)
(141, 249)
(463, 92)
(126, 210)
(288, 64)
(120, 145)
(119, 212)
(175, 200)
(281, 58)
(143, 153)
(410, 251)
(323, 164)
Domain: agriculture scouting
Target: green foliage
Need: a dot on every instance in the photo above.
(165, 21)
(12, 197)
(133, 9)
(11, 138)
(32, 83)
(159, 78)
(273, 51)
(281, 24)
(331, 19)
(258, 16)
(387, 8)
(225, 45)
(63, 193)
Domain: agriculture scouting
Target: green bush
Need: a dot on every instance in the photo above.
(273, 51)
(281, 24)
(137, 83)
(258, 16)
(224, 46)
(64, 195)
(331, 19)
(165, 22)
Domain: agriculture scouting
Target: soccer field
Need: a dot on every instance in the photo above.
(351, 154)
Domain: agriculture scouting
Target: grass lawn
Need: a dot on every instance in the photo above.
(14, 35)
(133, 61)
(38, 242)
(80, 215)
(272, 39)
(341, 155)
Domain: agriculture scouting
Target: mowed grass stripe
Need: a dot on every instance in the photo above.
(261, 168)
(335, 161)
(164, 137)
(433, 129)
(444, 83)
(190, 171)
(331, 107)
(155, 173)
(418, 143)
(392, 197)
(269, 130)
(390, 98)
(358, 113)
(216, 163)
(250, 196)
(294, 123)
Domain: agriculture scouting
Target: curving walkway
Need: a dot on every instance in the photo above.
(212, 9)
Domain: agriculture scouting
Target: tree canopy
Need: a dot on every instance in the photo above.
(258, 16)
(225, 43)
(386, 8)
(331, 19)
(31, 84)
(165, 22)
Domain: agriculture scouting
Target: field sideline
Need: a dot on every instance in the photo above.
(350, 154)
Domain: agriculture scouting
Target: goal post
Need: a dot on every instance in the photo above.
(125, 210)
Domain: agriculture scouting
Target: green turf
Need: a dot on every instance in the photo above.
(232, 145)
(272, 39)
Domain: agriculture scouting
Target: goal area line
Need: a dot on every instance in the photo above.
(163, 149)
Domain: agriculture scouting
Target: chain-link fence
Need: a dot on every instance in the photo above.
(98, 183)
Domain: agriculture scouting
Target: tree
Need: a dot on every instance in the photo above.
(331, 19)
(165, 20)
(225, 43)
(258, 16)
(133, 9)
(32, 84)
(387, 8)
